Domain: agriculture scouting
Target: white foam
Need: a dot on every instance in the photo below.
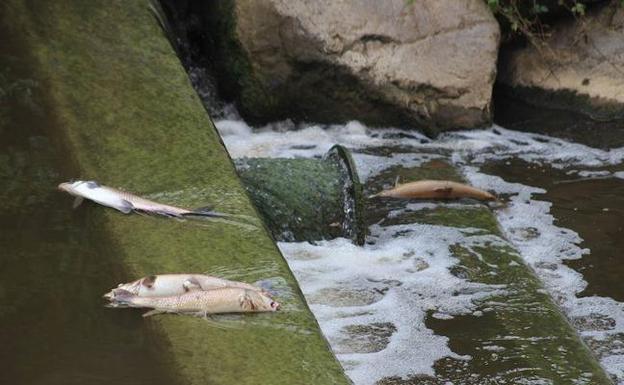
(408, 293)
(278, 139)
(526, 221)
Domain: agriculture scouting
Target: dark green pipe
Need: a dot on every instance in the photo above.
(307, 199)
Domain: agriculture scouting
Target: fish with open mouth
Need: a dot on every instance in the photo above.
(163, 285)
(127, 202)
(200, 302)
(435, 189)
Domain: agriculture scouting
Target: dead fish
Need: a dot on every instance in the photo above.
(435, 189)
(125, 201)
(200, 302)
(164, 285)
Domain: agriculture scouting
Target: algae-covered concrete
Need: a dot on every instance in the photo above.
(126, 114)
(517, 334)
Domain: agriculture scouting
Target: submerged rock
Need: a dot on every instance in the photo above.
(429, 64)
(370, 338)
(580, 68)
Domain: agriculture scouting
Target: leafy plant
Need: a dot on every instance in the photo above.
(525, 17)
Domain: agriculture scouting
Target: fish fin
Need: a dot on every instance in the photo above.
(77, 202)
(396, 181)
(205, 212)
(125, 207)
(191, 284)
(153, 312)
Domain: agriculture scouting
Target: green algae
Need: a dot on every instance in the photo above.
(124, 113)
(469, 217)
(307, 199)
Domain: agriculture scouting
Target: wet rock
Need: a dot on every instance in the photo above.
(340, 296)
(604, 347)
(580, 68)
(412, 380)
(546, 266)
(419, 265)
(593, 322)
(385, 63)
(368, 338)
(525, 233)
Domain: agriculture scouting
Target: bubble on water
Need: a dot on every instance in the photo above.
(349, 286)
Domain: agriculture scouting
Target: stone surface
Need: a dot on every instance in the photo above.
(114, 104)
(425, 64)
(580, 68)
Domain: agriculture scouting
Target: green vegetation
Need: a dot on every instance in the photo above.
(529, 18)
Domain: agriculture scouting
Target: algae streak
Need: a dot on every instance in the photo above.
(125, 112)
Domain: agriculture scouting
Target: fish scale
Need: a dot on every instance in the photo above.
(215, 301)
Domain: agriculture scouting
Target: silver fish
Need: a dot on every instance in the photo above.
(200, 302)
(125, 201)
(163, 285)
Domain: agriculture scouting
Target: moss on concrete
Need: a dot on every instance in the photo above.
(307, 199)
(519, 326)
(128, 116)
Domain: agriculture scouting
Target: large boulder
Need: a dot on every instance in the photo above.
(428, 64)
(579, 68)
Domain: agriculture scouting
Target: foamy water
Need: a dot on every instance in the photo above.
(386, 287)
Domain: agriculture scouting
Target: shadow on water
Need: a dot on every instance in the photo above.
(593, 207)
(55, 263)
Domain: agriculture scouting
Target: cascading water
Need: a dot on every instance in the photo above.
(396, 309)
(374, 302)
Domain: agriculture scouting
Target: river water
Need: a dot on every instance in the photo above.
(379, 304)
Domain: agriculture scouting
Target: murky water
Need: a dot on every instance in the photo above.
(592, 204)
(55, 263)
(392, 301)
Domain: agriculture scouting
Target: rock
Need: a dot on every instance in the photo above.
(427, 63)
(580, 68)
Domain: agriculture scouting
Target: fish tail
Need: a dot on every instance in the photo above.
(205, 212)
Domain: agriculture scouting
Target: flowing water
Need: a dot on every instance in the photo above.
(390, 308)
